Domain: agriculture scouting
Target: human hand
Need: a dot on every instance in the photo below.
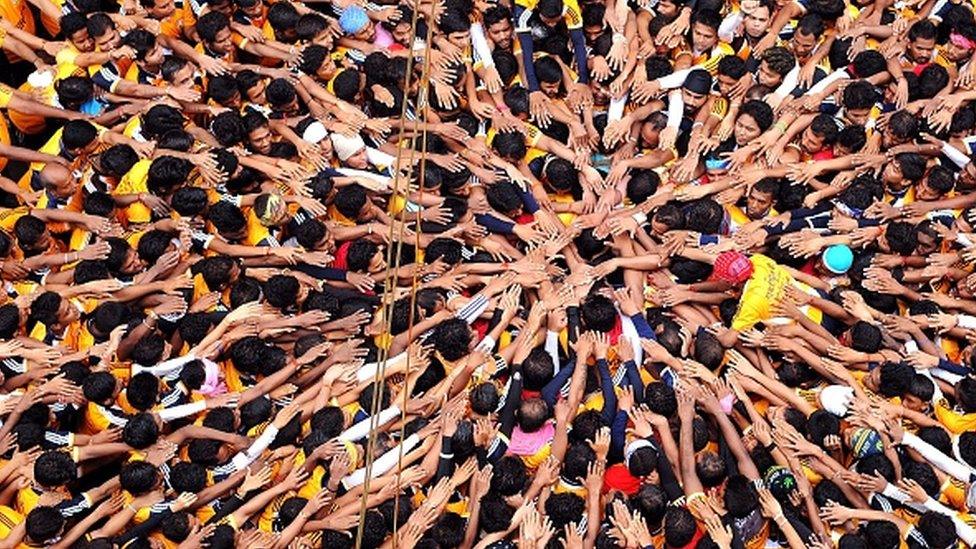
(535, 531)
(184, 501)
(771, 508)
(255, 479)
(539, 108)
(835, 514)
(719, 532)
(601, 345)
(913, 489)
(594, 476)
(601, 444)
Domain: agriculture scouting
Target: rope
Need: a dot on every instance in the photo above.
(392, 266)
(425, 90)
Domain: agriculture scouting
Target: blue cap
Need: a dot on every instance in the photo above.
(838, 258)
(714, 164)
(866, 442)
(353, 19)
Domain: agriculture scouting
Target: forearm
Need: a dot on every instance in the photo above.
(692, 485)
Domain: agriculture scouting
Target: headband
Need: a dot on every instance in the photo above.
(849, 211)
(634, 446)
(961, 41)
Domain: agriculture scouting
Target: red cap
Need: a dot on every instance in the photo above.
(732, 267)
(617, 477)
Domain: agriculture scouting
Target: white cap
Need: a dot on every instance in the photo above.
(836, 399)
(314, 133)
(347, 146)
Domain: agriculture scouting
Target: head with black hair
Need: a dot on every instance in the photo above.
(776, 63)
(680, 526)
(900, 238)
(223, 89)
(881, 534)
(731, 69)
(141, 431)
(807, 35)
(54, 469)
(755, 117)
(704, 29)
(850, 140)
(214, 31)
(563, 509)
(44, 525)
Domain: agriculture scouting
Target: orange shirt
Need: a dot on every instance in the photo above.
(18, 13)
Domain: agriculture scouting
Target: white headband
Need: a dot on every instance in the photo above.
(634, 446)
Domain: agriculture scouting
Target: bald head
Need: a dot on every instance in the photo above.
(58, 180)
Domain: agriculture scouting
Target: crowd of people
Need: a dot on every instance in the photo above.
(468, 273)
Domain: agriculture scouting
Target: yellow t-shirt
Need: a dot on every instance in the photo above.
(955, 422)
(9, 519)
(6, 93)
(766, 286)
(67, 65)
(135, 182)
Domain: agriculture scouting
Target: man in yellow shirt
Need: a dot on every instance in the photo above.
(763, 283)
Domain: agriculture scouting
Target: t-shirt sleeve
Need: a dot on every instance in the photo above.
(747, 315)
(6, 94)
(9, 216)
(573, 15)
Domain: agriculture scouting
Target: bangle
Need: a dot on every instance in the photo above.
(780, 126)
